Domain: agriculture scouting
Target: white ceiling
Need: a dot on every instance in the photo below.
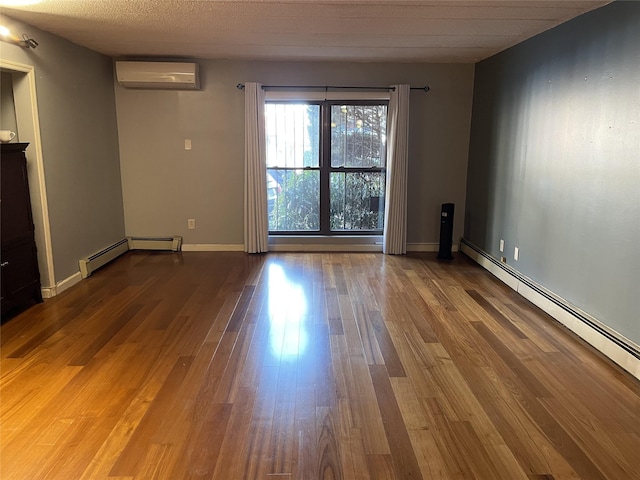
(350, 30)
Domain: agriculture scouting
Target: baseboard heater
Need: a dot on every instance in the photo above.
(155, 243)
(99, 259)
(92, 263)
(607, 333)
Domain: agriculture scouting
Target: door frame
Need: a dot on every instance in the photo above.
(28, 122)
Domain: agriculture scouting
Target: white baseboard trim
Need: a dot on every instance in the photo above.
(68, 282)
(212, 247)
(614, 346)
(58, 288)
(427, 247)
(48, 292)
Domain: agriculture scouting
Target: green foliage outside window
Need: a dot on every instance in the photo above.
(356, 182)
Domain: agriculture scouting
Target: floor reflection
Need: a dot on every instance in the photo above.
(288, 337)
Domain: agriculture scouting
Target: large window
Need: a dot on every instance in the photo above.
(326, 165)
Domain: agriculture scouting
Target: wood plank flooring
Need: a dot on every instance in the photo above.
(306, 366)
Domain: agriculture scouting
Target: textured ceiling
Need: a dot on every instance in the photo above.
(352, 30)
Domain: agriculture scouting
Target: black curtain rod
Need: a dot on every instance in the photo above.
(240, 86)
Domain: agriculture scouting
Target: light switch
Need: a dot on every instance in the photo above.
(187, 144)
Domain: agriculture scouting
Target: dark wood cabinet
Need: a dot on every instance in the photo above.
(20, 275)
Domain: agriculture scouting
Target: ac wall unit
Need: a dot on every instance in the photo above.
(158, 75)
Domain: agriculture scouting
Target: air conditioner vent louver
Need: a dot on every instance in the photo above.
(158, 75)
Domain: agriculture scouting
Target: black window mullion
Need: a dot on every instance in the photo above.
(325, 164)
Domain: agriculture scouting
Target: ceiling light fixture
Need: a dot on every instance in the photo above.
(24, 42)
(27, 42)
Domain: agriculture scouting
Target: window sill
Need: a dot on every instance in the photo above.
(319, 243)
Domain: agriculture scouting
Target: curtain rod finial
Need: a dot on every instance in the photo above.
(240, 86)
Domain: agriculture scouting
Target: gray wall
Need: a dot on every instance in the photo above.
(554, 164)
(76, 106)
(8, 110)
(163, 184)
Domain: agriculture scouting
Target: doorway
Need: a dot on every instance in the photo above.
(23, 83)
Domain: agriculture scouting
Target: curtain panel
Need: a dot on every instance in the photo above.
(395, 213)
(256, 226)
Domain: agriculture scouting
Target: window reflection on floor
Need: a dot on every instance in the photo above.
(288, 336)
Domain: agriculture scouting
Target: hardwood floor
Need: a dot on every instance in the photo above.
(306, 366)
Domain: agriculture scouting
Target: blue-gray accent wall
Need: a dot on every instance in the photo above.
(554, 162)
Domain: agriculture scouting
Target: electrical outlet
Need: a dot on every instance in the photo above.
(501, 245)
(516, 253)
(191, 223)
(187, 144)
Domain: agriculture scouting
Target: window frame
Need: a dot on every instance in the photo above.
(326, 169)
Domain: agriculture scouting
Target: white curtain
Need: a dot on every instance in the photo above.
(256, 226)
(395, 211)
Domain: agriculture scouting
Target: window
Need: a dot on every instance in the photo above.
(326, 167)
